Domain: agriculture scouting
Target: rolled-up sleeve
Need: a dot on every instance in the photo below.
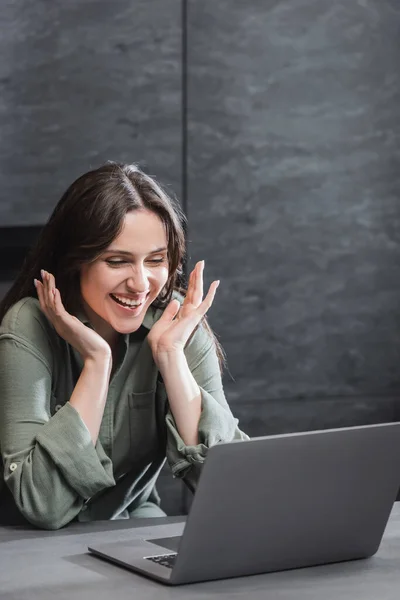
(50, 463)
(217, 423)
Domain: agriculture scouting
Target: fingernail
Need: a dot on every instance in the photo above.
(35, 283)
(42, 273)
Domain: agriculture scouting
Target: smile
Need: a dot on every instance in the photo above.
(128, 302)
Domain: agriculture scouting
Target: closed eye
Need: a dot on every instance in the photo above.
(116, 262)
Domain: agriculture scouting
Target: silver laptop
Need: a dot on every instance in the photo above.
(275, 503)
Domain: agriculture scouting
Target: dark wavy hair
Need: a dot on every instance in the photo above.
(88, 217)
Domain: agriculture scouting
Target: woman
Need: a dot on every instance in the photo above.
(107, 366)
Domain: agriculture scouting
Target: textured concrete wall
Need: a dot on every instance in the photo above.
(294, 185)
(82, 82)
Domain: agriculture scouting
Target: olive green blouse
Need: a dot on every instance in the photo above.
(48, 461)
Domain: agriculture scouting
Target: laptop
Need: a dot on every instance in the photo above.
(275, 503)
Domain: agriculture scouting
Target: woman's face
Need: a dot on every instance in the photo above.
(119, 286)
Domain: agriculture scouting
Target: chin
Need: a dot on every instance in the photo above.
(128, 328)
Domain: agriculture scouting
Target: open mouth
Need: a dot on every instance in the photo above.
(132, 305)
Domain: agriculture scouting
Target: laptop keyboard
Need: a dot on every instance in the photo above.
(166, 560)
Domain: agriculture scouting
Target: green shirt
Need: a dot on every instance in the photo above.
(54, 471)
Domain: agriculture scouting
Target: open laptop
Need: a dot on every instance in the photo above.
(275, 503)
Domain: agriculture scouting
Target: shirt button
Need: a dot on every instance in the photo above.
(84, 507)
(13, 466)
(57, 407)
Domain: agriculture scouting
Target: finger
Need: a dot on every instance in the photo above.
(198, 284)
(52, 290)
(171, 311)
(59, 308)
(209, 299)
(39, 291)
(46, 293)
(189, 293)
(41, 296)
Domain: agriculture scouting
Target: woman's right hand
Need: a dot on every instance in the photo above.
(85, 340)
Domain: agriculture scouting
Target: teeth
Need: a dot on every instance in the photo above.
(127, 301)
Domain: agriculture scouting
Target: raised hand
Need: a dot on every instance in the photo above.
(175, 326)
(85, 340)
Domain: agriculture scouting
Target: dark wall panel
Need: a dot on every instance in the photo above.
(294, 193)
(82, 82)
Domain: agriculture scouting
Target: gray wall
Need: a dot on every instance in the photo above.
(285, 118)
(293, 201)
(82, 82)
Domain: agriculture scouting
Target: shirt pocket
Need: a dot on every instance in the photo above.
(143, 430)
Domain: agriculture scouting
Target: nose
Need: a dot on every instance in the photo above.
(138, 282)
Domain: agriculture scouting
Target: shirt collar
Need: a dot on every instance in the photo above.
(150, 317)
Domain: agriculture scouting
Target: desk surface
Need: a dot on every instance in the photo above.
(55, 564)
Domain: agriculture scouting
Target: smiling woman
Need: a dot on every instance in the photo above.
(109, 366)
(119, 286)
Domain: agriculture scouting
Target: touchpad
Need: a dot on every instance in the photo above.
(172, 543)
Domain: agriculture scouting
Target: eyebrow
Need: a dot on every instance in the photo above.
(126, 253)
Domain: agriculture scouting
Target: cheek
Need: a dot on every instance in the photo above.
(93, 281)
(85, 283)
(162, 277)
(88, 291)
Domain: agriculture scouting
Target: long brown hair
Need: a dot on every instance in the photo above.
(88, 217)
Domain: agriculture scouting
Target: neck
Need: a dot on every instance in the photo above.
(103, 328)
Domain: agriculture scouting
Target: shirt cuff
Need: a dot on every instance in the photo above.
(217, 424)
(67, 440)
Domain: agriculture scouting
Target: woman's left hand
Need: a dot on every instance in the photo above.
(175, 326)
